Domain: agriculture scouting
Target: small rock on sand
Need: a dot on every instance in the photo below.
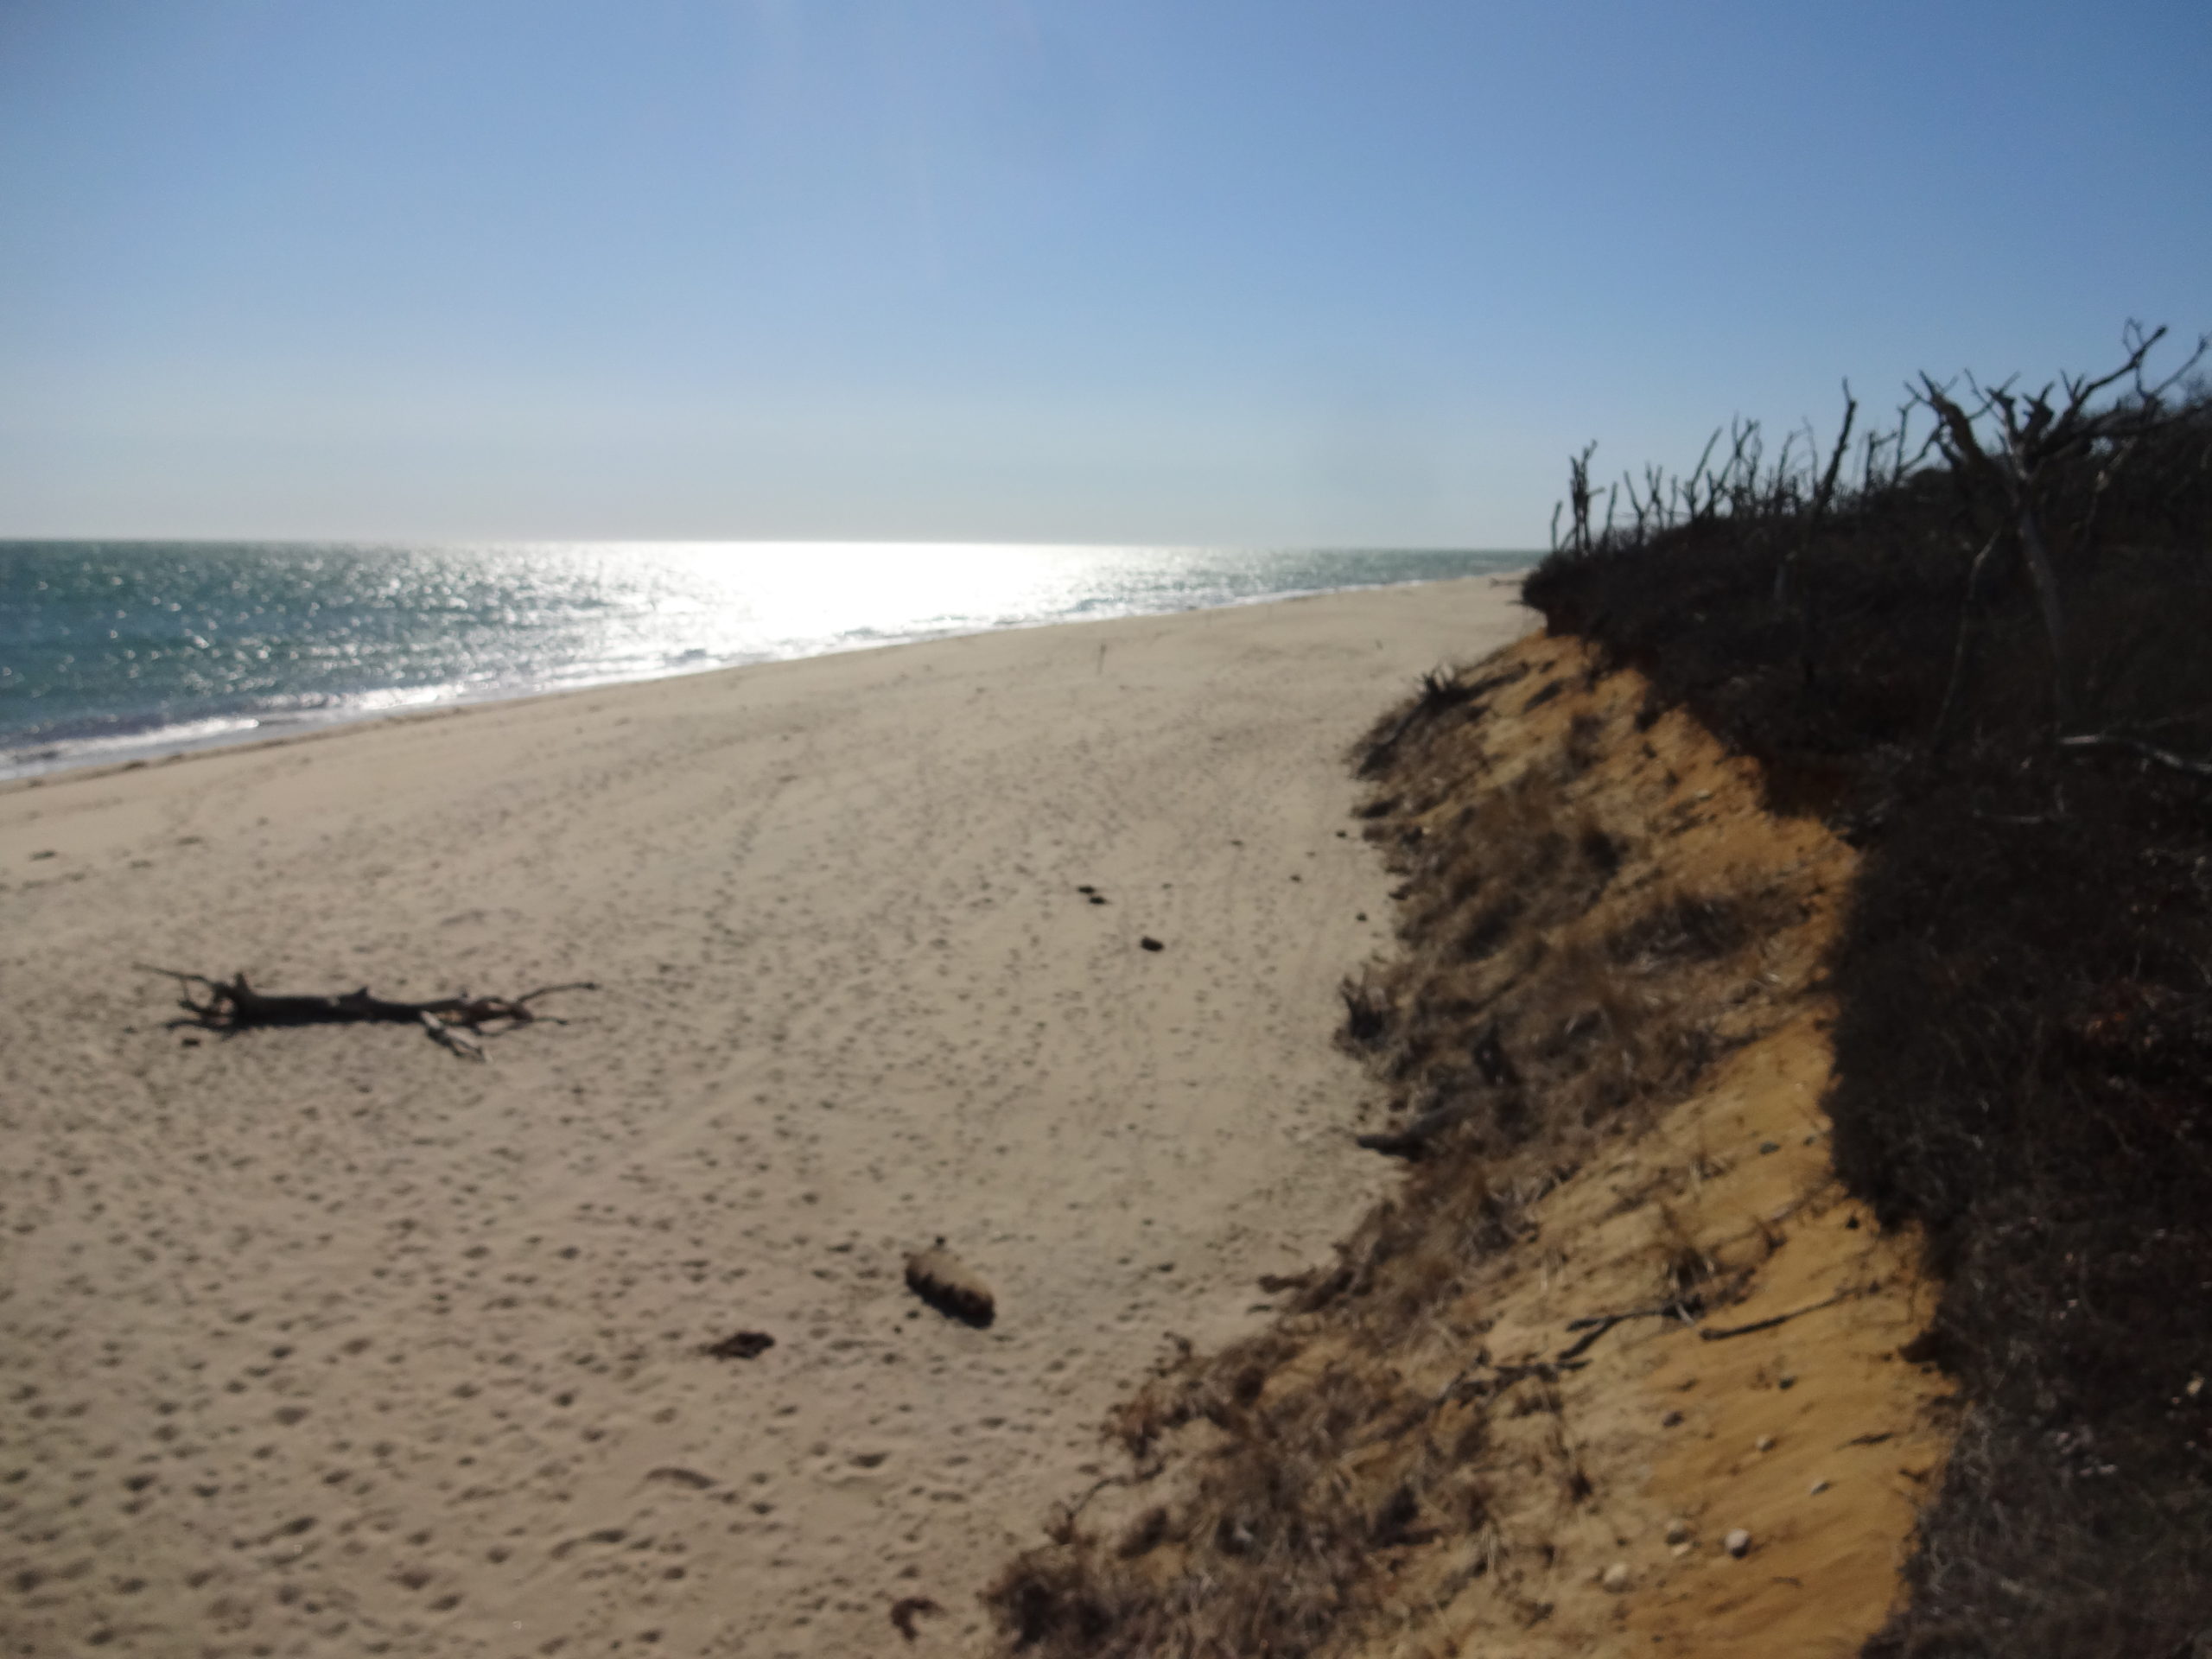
(1677, 1530)
(1738, 1543)
(1615, 1578)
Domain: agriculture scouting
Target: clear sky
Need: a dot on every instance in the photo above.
(1259, 272)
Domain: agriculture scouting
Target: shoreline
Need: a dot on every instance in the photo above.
(427, 1336)
(46, 758)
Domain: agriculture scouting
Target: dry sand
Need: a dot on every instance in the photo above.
(327, 1341)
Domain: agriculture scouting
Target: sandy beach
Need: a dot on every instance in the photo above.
(327, 1341)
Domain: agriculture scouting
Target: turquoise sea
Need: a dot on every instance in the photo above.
(113, 650)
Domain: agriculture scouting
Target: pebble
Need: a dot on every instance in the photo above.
(1816, 1489)
(1616, 1577)
(1682, 1549)
(1739, 1543)
(1765, 1442)
(1677, 1530)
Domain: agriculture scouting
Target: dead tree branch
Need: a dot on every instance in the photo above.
(456, 1022)
(2165, 757)
(1962, 651)
(1579, 498)
(2032, 435)
(1790, 591)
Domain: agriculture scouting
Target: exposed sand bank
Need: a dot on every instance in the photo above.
(326, 1341)
(1813, 1434)
(1619, 1309)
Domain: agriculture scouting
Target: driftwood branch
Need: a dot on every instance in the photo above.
(232, 1005)
(1412, 1142)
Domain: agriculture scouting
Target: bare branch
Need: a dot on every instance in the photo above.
(2079, 390)
(1962, 643)
(1780, 1319)
(1826, 491)
(233, 1005)
(2165, 757)
(1698, 471)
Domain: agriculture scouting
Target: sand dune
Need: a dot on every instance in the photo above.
(326, 1341)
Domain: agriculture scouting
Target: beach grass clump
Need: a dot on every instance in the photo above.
(1978, 650)
(1268, 1550)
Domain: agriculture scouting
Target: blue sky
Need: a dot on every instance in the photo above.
(1258, 272)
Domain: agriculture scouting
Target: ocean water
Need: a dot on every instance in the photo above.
(113, 650)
